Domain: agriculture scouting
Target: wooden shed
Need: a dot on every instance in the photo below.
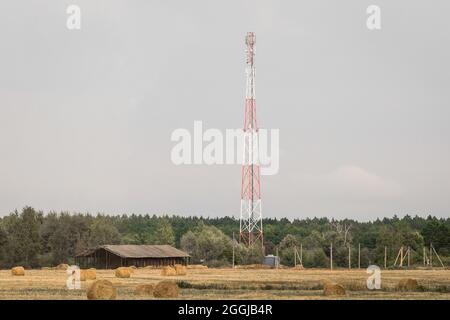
(114, 256)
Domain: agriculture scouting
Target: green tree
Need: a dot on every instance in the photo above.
(287, 249)
(207, 244)
(23, 240)
(101, 233)
(164, 233)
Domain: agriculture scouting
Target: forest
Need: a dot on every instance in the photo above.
(36, 239)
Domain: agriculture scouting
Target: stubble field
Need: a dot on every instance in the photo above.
(234, 284)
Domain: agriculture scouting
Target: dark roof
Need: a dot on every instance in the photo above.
(139, 251)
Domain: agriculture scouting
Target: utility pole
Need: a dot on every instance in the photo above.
(385, 257)
(409, 256)
(439, 258)
(431, 255)
(278, 258)
(331, 255)
(349, 257)
(301, 254)
(295, 256)
(359, 255)
(424, 256)
(401, 256)
(233, 249)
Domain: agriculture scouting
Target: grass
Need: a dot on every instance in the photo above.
(234, 284)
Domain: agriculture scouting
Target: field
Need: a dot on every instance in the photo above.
(234, 284)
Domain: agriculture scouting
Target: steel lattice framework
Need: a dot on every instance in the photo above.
(251, 229)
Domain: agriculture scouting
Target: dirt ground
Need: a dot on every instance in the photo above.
(234, 284)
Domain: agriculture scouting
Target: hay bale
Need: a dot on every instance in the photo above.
(408, 284)
(333, 289)
(18, 271)
(144, 290)
(166, 289)
(123, 272)
(197, 266)
(254, 266)
(101, 290)
(168, 271)
(46, 268)
(180, 270)
(88, 274)
(62, 266)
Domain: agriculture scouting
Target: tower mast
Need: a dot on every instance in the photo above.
(251, 229)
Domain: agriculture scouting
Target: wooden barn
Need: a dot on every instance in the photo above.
(114, 256)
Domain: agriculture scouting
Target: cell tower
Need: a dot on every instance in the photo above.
(251, 229)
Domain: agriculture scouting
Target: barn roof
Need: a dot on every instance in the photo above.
(139, 251)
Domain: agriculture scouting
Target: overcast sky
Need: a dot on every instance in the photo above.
(86, 115)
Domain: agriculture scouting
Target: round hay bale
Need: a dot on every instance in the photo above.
(18, 271)
(62, 266)
(299, 267)
(168, 271)
(408, 284)
(88, 274)
(166, 289)
(123, 272)
(101, 290)
(333, 289)
(180, 270)
(144, 290)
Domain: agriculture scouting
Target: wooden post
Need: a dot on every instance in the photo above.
(301, 254)
(424, 258)
(278, 258)
(233, 249)
(331, 255)
(385, 257)
(359, 255)
(401, 256)
(295, 256)
(431, 255)
(398, 255)
(349, 257)
(439, 258)
(409, 256)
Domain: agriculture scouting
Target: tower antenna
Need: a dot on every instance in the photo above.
(250, 224)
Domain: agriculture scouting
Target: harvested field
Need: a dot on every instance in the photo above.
(234, 284)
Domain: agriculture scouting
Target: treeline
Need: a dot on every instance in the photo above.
(34, 239)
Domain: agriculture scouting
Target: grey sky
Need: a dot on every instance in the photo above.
(86, 116)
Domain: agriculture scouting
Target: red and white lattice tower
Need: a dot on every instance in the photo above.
(251, 229)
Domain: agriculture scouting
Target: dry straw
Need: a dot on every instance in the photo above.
(180, 270)
(168, 271)
(197, 266)
(408, 284)
(144, 290)
(123, 272)
(18, 271)
(333, 289)
(101, 290)
(62, 266)
(88, 274)
(166, 289)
